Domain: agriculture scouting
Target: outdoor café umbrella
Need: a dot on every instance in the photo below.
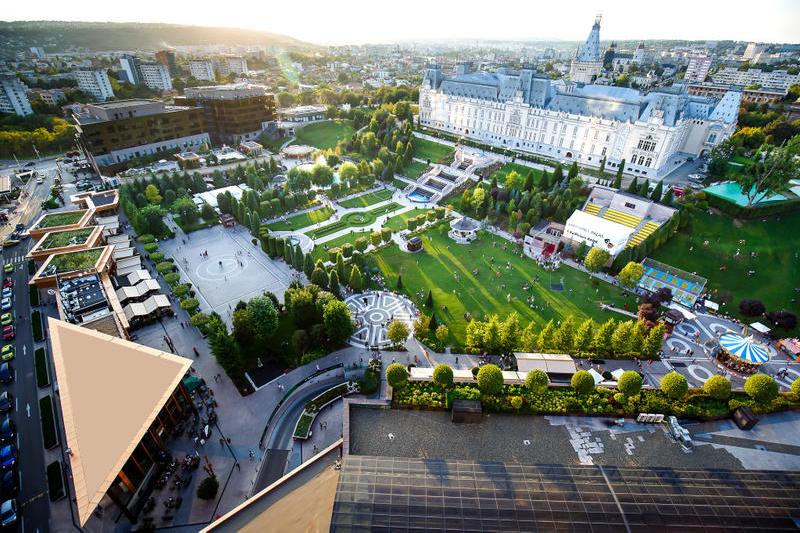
(745, 348)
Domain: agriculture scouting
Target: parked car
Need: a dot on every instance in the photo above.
(8, 282)
(696, 177)
(5, 304)
(8, 513)
(8, 456)
(7, 353)
(9, 333)
(8, 292)
(8, 429)
(6, 319)
(6, 402)
(9, 484)
(6, 373)
(9, 268)
(30, 164)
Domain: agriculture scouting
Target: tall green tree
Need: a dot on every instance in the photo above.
(337, 321)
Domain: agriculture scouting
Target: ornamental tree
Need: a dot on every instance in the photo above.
(718, 387)
(443, 376)
(630, 274)
(596, 259)
(396, 375)
(397, 331)
(761, 388)
(674, 385)
(490, 379)
(630, 383)
(537, 381)
(583, 382)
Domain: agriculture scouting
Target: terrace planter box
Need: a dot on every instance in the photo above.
(302, 429)
(42, 372)
(48, 420)
(55, 481)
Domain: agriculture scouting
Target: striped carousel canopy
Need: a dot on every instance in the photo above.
(745, 348)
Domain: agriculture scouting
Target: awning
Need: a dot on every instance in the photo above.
(191, 383)
(759, 327)
(714, 306)
(617, 373)
(598, 377)
(745, 348)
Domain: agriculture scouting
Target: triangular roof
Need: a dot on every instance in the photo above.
(110, 391)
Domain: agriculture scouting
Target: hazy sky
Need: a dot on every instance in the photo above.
(359, 21)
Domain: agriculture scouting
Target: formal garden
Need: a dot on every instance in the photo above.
(367, 199)
(491, 277)
(354, 219)
(302, 220)
(536, 395)
(431, 151)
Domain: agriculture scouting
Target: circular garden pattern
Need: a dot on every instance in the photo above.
(372, 313)
(364, 218)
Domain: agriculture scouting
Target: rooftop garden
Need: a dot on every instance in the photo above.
(65, 218)
(66, 238)
(72, 261)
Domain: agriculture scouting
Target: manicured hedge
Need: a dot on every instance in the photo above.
(42, 375)
(36, 324)
(33, 295)
(31, 267)
(55, 481)
(48, 418)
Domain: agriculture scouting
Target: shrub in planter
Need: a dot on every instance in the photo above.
(718, 387)
(630, 383)
(165, 267)
(190, 305)
(796, 387)
(157, 257)
(369, 383)
(537, 381)
(674, 385)
(207, 489)
(443, 376)
(396, 375)
(761, 388)
(516, 402)
(490, 379)
(146, 238)
(583, 382)
(172, 278)
(180, 290)
(150, 247)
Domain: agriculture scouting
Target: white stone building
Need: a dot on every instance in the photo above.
(588, 61)
(13, 97)
(96, 83)
(156, 76)
(201, 70)
(530, 113)
(779, 80)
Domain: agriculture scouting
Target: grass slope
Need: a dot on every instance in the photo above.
(430, 151)
(325, 134)
(486, 293)
(522, 170)
(414, 169)
(777, 265)
(367, 199)
(303, 220)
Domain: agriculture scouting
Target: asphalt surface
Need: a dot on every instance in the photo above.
(279, 443)
(33, 501)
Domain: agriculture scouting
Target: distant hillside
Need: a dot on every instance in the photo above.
(57, 36)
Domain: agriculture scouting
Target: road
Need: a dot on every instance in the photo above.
(32, 500)
(279, 443)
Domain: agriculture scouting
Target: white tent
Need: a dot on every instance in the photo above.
(714, 306)
(688, 315)
(598, 377)
(617, 373)
(759, 327)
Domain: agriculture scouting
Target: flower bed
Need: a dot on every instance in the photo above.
(564, 400)
(302, 429)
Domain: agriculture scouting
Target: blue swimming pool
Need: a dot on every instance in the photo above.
(419, 197)
(732, 192)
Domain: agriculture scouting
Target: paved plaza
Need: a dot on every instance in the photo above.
(373, 311)
(224, 267)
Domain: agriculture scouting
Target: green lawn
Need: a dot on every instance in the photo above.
(66, 238)
(414, 169)
(777, 266)
(354, 219)
(325, 134)
(64, 218)
(398, 223)
(430, 151)
(522, 170)
(321, 250)
(368, 199)
(486, 292)
(303, 220)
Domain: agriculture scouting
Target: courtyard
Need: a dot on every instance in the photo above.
(488, 277)
(224, 267)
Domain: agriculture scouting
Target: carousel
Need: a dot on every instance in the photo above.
(740, 353)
